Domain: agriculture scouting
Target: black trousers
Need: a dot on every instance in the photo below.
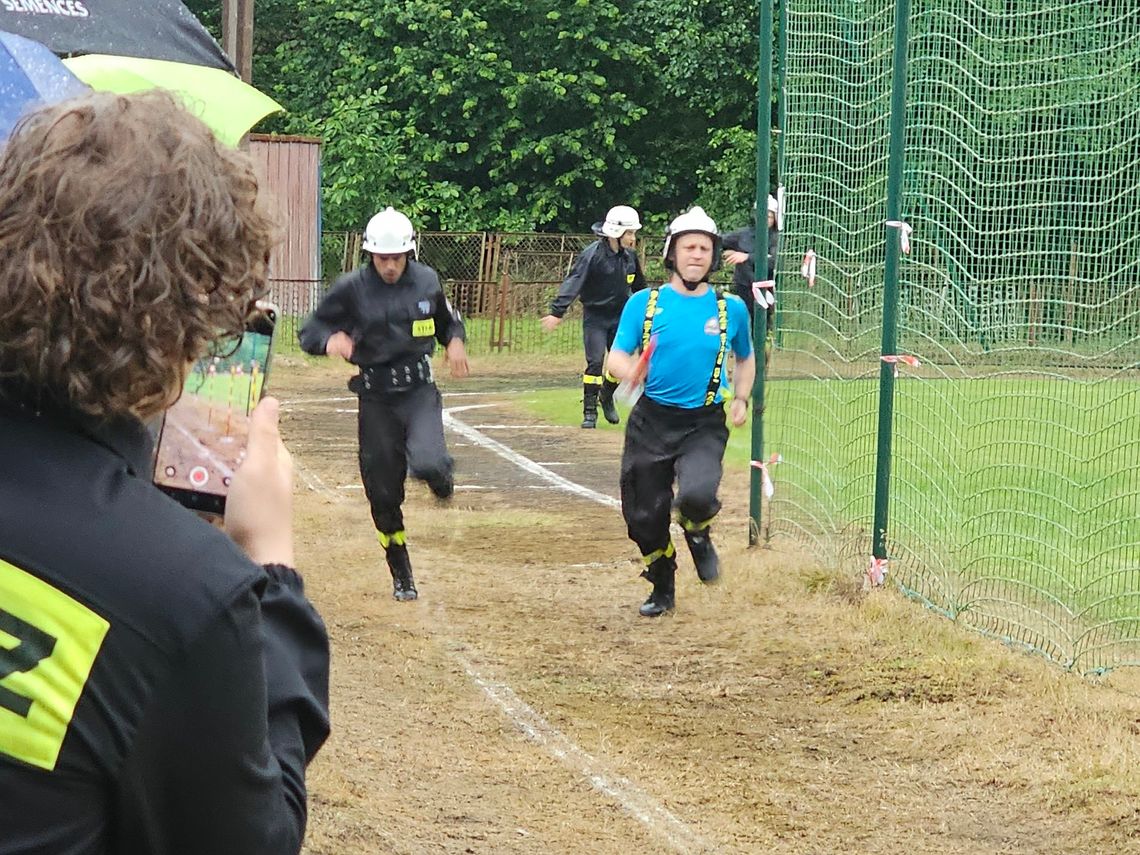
(597, 337)
(401, 433)
(663, 444)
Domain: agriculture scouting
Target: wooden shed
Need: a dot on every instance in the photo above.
(290, 170)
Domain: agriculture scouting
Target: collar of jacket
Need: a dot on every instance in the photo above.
(124, 436)
(605, 242)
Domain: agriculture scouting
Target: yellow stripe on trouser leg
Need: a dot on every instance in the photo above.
(592, 379)
(693, 527)
(610, 378)
(396, 538)
(668, 552)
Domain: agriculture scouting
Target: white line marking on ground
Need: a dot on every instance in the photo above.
(526, 463)
(465, 407)
(643, 807)
(639, 804)
(519, 427)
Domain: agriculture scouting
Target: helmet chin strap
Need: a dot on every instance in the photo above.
(689, 286)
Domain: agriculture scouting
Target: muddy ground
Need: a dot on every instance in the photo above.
(521, 705)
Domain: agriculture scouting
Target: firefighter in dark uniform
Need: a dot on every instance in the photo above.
(162, 685)
(385, 318)
(603, 276)
(738, 250)
(676, 430)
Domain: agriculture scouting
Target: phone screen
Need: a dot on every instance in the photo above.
(203, 437)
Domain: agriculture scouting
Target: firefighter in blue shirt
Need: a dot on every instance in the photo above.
(386, 317)
(602, 277)
(676, 430)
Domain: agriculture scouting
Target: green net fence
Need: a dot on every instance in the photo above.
(1015, 474)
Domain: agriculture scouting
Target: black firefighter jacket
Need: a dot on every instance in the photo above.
(387, 323)
(602, 279)
(743, 240)
(160, 694)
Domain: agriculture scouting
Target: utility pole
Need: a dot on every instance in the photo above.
(237, 35)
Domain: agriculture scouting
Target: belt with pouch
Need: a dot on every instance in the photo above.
(396, 376)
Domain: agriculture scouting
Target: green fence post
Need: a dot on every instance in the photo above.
(781, 136)
(891, 280)
(760, 316)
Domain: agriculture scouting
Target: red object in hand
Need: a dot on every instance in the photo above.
(630, 389)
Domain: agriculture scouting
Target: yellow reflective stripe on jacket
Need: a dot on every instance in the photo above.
(48, 645)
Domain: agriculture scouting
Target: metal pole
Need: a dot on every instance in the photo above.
(759, 251)
(781, 131)
(891, 280)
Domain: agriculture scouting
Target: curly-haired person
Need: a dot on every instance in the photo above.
(162, 685)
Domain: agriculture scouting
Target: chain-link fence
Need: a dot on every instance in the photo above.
(503, 283)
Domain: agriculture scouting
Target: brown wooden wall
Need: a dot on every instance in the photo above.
(289, 168)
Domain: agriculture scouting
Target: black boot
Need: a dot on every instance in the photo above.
(606, 399)
(403, 585)
(704, 554)
(661, 573)
(589, 405)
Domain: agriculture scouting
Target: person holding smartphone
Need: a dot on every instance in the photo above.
(385, 317)
(163, 683)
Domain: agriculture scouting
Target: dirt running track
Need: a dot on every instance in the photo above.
(522, 705)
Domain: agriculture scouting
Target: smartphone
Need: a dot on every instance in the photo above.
(203, 437)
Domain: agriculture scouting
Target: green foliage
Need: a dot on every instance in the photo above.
(508, 114)
(503, 114)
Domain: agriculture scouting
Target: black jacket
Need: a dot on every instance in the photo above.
(602, 279)
(387, 323)
(744, 240)
(166, 693)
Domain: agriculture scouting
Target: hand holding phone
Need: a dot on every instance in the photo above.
(259, 510)
(203, 437)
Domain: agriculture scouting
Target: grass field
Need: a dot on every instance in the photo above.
(1008, 494)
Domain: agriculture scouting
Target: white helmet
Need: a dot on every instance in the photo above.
(693, 220)
(619, 220)
(389, 233)
(773, 205)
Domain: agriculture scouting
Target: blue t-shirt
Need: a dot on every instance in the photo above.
(688, 340)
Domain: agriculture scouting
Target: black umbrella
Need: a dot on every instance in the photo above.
(155, 29)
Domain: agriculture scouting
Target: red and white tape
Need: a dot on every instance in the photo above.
(764, 292)
(766, 476)
(877, 571)
(807, 268)
(905, 232)
(895, 358)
